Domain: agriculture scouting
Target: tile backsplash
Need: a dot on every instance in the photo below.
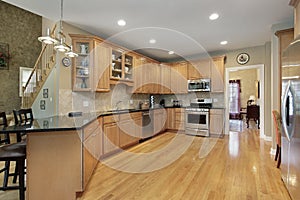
(120, 98)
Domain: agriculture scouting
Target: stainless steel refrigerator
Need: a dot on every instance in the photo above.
(290, 111)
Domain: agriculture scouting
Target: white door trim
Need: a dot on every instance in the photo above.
(260, 67)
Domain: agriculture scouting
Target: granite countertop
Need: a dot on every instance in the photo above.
(64, 123)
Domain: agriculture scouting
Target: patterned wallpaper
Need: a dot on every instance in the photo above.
(20, 29)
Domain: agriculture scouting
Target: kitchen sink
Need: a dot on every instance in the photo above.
(120, 111)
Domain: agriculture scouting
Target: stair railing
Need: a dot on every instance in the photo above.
(42, 68)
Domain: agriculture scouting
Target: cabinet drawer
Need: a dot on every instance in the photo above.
(179, 117)
(130, 116)
(216, 111)
(90, 128)
(110, 119)
(136, 115)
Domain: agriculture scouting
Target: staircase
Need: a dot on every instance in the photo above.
(41, 70)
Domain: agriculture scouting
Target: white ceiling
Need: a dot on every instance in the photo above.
(178, 25)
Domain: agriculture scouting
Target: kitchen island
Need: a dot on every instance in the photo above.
(63, 151)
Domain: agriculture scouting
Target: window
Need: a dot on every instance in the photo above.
(24, 76)
(234, 99)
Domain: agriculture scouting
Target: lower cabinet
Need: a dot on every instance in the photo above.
(216, 125)
(180, 119)
(121, 131)
(92, 149)
(160, 118)
(176, 119)
(110, 133)
(130, 128)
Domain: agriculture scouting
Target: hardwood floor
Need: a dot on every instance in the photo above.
(237, 166)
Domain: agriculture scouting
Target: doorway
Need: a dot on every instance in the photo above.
(260, 94)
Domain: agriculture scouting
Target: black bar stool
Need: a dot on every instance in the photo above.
(12, 152)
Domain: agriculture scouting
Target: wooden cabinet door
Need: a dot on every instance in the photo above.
(179, 119)
(127, 133)
(217, 75)
(179, 77)
(216, 121)
(138, 75)
(170, 118)
(110, 137)
(89, 160)
(199, 69)
(165, 75)
(84, 64)
(102, 67)
(159, 120)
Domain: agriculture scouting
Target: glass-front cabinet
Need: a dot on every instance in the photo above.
(83, 65)
(121, 66)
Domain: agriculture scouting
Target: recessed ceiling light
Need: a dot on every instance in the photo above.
(224, 42)
(171, 52)
(214, 16)
(121, 22)
(152, 41)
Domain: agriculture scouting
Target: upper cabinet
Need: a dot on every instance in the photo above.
(146, 76)
(285, 37)
(121, 67)
(179, 77)
(91, 67)
(296, 5)
(83, 65)
(217, 74)
(199, 69)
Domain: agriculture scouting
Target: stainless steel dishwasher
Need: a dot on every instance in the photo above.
(148, 128)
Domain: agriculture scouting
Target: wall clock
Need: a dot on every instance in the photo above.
(66, 62)
(242, 58)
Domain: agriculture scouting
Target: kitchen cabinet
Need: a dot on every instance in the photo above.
(111, 134)
(92, 149)
(102, 63)
(83, 65)
(180, 119)
(285, 37)
(179, 77)
(217, 74)
(170, 118)
(165, 77)
(160, 118)
(130, 128)
(296, 5)
(176, 119)
(216, 121)
(199, 69)
(147, 76)
(121, 67)
(90, 70)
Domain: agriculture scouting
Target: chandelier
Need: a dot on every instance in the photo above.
(60, 42)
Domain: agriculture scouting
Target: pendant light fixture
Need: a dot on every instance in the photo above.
(47, 39)
(60, 43)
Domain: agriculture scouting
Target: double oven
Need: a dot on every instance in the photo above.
(197, 117)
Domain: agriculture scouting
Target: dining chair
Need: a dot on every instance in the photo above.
(277, 123)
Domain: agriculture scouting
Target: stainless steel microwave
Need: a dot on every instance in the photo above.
(199, 85)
